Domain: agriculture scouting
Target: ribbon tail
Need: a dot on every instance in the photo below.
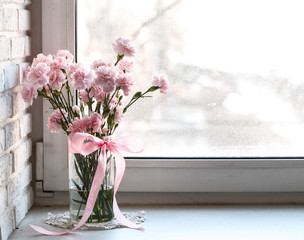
(96, 184)
(120, 170)
(122, 219)
(47, 232)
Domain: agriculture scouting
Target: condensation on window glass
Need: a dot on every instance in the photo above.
(235, 70)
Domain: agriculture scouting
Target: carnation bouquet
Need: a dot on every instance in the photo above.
(92, 101)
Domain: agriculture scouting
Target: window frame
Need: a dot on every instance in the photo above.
(160, 174)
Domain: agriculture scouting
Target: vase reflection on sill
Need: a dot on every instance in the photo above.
(81, 173)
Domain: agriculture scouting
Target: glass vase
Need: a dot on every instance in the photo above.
(81, 173)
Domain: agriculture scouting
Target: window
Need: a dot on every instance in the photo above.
(234, 69)
(234, 110)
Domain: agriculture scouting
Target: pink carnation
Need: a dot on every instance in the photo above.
(118, 115)
(42, 59)
(29, 93)
(64, 58)
(97, 93)
(47, 89)
(125, 82)
(114, 102)
(76, 109)
(54, 121)
(71, 69)
(106, 78)
(84, 98)
(86, 124)
(162, 83)
(125, 65)
(37, 76)
(96, 122)
(98, 63)
(123, 46)
(79, 125)
(57, 77)
(66, 55)
(82, 79)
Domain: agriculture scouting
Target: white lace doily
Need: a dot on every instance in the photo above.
(63, 220)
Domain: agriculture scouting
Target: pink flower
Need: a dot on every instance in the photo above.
(162, 83)
(57, 77)
(125, 82)
(118, 115)
(98, 63)
(79, 125)
(42, 59)
(66, 55)
(37, 76)
(71, 69)
(125, 65)
(122, 46)
(29, 93)
(113, 103)
(76, 109)
(64, 58)
(54, 121)
(84, 98)
(97, 93)
(82, 79)
(96, 122)
(106, 78)
(47, 89)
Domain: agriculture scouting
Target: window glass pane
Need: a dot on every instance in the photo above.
(235, 70)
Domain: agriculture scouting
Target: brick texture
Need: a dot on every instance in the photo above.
(16, 193)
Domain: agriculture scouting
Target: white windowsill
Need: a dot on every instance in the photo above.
(189, 222)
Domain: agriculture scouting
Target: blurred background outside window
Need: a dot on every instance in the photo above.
(235, 70)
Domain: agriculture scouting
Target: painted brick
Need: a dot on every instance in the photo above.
(23, 204)
(11, 75)
(1, 80)
(5, 48)
(30, 195)
(22, 69)
(3, 199)
(18, 47)
(7, 223)
(18, 104)
(27, 49)
(21, 155)
(5, 168)
(24, 19)
(21, 207)
(19, 182)
(25, 124)
(17, 1)
(10, 19)
(6, 107)
(1, 18)
(11, 133)
(26, 176)
(2, 141)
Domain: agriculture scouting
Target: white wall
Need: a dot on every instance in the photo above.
(16, 194)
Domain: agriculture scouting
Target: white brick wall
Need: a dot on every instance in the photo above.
(16, 193)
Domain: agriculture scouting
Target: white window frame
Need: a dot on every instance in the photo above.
(160, 174)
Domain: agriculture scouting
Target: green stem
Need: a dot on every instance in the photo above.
(133, 100)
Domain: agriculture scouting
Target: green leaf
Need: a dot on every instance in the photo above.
(106, 112)
(80, 192)
(81, 202)
(78, 173)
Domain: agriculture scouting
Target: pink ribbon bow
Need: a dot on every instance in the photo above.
(78, 144)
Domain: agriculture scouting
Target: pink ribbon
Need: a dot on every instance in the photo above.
(78, 144)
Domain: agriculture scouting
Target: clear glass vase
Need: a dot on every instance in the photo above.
(81, 173)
